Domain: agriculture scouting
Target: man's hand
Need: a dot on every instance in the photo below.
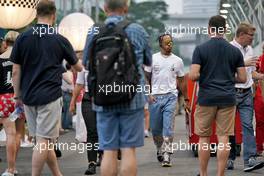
(251, 61)
(72, 107)
(152, 99)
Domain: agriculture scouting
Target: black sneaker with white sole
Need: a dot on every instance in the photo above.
(166, 160)
(159, 156)
(253, 164)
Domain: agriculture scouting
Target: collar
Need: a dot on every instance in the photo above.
(240, 46)
(114, 18)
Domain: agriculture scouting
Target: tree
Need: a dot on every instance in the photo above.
(151, 15)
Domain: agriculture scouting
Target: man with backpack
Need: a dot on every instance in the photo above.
(114, 59)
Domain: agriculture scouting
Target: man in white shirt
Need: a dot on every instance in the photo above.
(165, 71)
(244, 99)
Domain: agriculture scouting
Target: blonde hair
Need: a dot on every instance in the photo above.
(11, 37)
(244, 27)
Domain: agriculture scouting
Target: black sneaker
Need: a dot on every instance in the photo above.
(230, 165)
(159, 156)
(99, 161)
(91, 169)
(166, 160)
(57, 152)
(119, 155)
(253, 164)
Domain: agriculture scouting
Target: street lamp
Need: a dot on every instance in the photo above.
(224, 11)
(75, 27)
(226, 5)
(17, 14)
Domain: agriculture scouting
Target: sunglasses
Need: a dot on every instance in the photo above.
(169, 43)
(252, 35)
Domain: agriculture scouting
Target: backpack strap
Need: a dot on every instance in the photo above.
(123, 24)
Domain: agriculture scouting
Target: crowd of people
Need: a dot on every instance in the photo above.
(38, 87)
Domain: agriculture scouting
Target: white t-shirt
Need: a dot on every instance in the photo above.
(165, 71)
(247, 53)
(82, 79)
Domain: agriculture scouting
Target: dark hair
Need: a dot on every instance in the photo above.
(217, 22)
(46, 8)
(160, 38)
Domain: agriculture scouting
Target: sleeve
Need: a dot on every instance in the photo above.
(87, 47)
(148, 69)
(196, 58)
(69, 54)
(261, 64)
(147, 53)
(81, 77)
(240, 60)
(15, 55)
(180, 73)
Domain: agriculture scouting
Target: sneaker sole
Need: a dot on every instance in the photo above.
(256, 167)
(166, 165)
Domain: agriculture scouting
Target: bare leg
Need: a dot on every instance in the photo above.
(222, 154)
(109, 163)
(53, 163)
(10, 131)
(128, 162)
(42, 154)
(204, 154)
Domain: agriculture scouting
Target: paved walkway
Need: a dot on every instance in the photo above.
(74, 163)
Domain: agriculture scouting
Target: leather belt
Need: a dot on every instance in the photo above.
(242, 90)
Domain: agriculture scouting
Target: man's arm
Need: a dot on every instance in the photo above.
(183, 86)
(68, 77)
(194, 74)
(182, 83)
(241, 76)
(76, 92)
(16, 78)
(78, 66)
(257, 76)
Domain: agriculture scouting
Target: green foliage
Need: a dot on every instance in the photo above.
(150, 15)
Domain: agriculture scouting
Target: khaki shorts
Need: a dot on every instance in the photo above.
(223, 116)
(44, 121)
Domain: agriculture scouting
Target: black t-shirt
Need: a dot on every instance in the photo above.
(219, 61)
(40, 52)
(6, 76)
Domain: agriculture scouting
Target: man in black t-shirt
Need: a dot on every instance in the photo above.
(217, 65)
(37, 73)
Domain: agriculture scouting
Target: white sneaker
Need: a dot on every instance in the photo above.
(146, 133)
(26, 144)
(6, 173)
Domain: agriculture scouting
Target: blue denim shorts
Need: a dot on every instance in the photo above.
(120, 129)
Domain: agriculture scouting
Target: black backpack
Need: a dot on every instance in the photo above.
(113, 74)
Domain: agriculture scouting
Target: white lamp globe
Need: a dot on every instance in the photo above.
(75, 27)
(16, 14)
